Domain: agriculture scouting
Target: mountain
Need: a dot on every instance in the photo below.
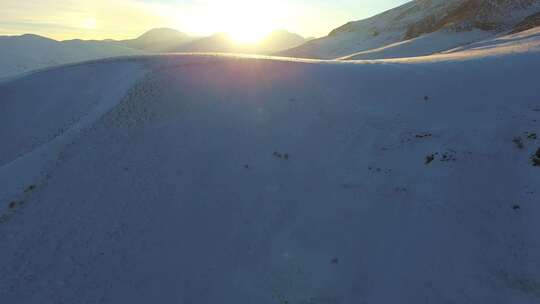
(219, 179)
(280, 40)
(454, 19)
(220, 42)
(20, 54)
(275, 41)
(158, 40)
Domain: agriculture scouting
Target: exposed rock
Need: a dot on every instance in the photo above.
(528, 23)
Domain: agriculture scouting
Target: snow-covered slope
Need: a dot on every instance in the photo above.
(248, 180)
(516, 44)
(20, 54)
(417, 18)
(523, 41)
(526, 41)
(420, 46)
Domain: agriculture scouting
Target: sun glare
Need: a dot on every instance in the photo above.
(247, 22)
(89, 24)
(248, 35)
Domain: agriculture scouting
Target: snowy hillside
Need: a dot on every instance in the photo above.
(457, 18)
(221, 179)
(526, 41)
(520, 42)
(20, 54)
(420, 46)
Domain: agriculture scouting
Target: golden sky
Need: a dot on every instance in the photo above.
(120, 19)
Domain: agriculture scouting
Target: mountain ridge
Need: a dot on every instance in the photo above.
(18, 54)
(414, 19)
(158, 40)
(274, 41)
(24, 53)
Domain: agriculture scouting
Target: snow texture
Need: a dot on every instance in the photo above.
(225, 179)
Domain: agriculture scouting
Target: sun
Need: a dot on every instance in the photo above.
(249, 35)
(248, 28)
(246, 22)
(89, 24)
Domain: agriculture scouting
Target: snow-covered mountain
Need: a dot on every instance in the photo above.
(228, 179)
(280, 40)
(275, 41)
(20, 54)
(220, 42)
(451, 20)
(158, 40)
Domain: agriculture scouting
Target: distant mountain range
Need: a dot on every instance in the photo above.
(19, 54)
(417, 28)
(422, 27)
(158, 40)
(278, 40)
(168, 40)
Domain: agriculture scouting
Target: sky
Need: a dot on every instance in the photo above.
(123, 19)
